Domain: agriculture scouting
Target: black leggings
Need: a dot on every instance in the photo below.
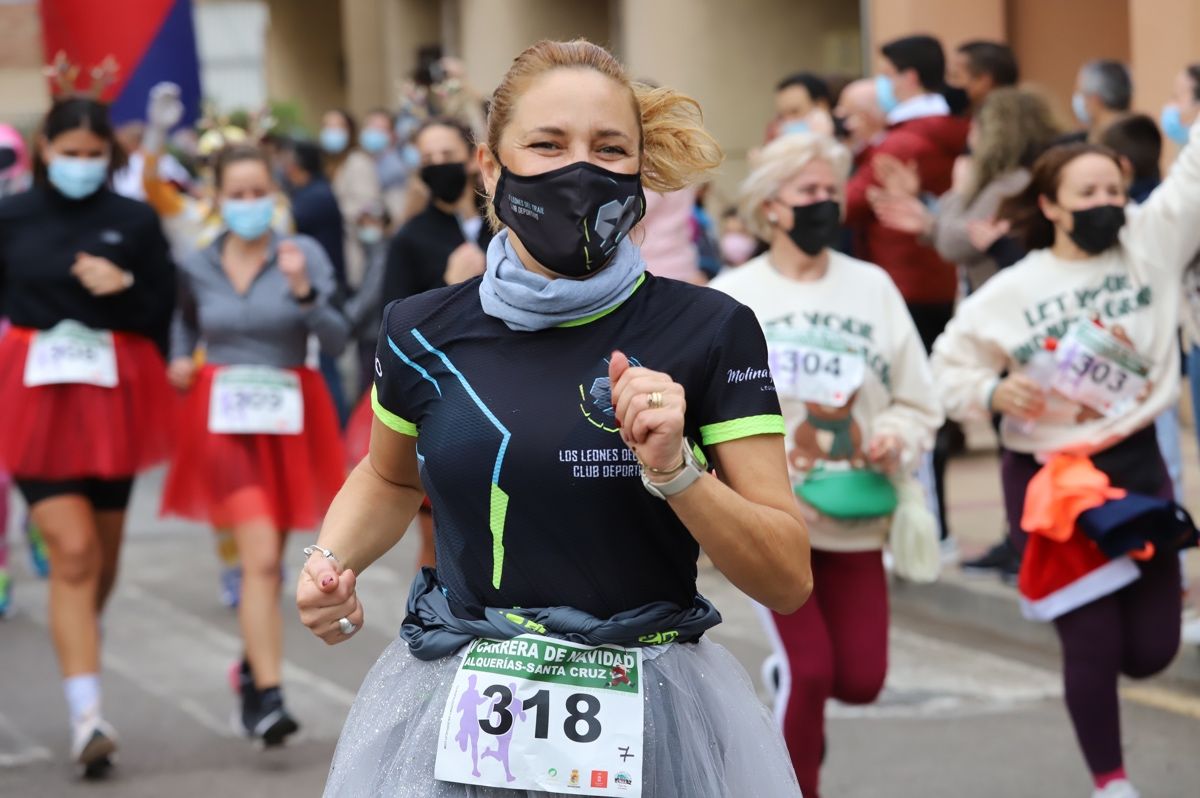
(1134, 631)
(104, 494)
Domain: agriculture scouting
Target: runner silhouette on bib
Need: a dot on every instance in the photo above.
(500, 752)
(468, 727)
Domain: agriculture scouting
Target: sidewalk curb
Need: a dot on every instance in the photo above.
(989, 607)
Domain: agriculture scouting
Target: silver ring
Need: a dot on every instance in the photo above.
(346, 626)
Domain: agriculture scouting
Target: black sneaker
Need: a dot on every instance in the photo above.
(1001, 559)
(265, 718)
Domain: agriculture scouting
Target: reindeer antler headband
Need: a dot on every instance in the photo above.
(64, 77)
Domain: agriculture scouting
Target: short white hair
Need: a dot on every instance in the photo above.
(776, 164)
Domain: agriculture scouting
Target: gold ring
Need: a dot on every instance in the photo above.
(655, 400)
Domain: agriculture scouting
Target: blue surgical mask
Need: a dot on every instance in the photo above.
(334, 140)
(411, 156)
(77, 178)
(885, 94)
(794, 126)
(1080, 108)
(374, 140)
(369, 236)
(1172, 125)
(248, 219)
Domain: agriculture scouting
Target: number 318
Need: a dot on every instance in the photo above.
(540, 703)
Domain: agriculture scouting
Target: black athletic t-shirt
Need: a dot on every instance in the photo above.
(537, 500)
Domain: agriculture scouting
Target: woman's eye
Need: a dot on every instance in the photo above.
(613, 149)
(544, 145)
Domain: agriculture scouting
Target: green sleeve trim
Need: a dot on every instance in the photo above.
(390, 419)
(597, 316)
(737, 428)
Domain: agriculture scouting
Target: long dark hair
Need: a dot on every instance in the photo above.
(78, 113)
(1029, 224)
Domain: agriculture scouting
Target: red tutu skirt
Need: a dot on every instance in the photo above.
(72, 431)
(228, 479)
(358, 431)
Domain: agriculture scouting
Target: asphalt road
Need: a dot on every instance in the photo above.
(960, 716)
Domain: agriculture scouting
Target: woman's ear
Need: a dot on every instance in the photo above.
(1052, 210)
(771, 212)
(489, 169)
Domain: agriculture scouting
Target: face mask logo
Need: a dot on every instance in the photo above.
(77, 178)
(572, 219)
(1097, 229)
(608, 220)
(815, 226)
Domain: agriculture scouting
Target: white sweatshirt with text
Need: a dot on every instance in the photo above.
(1134, 286)
(855, 308)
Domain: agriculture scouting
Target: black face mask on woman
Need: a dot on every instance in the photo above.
(446, 181)
(815, 226)
(570, 219)
(1096, 229)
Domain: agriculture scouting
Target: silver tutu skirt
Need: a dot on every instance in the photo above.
(707, 734)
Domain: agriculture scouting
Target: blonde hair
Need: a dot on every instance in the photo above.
(777, 163)
(675, 149)
(1014, 127)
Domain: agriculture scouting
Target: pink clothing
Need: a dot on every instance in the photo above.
(667, 244)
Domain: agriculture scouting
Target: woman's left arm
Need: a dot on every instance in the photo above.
(749, 523)
(309, 273)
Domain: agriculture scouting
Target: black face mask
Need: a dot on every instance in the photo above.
(570, 219)
(8, 157)
(840, 131)
(1096, 229)
(446, 181)
(815, 226)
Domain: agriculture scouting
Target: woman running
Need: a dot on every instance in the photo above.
(1085, 327)
(88, 285)
(259, 450)
(860, 408)
(567, 406)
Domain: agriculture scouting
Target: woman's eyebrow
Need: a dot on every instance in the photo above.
(612, 133)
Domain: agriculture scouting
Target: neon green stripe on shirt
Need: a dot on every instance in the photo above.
(390, 419)
(745, 427)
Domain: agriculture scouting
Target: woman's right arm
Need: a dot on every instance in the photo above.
(966, 362)
(1165, 229)
(185, 335)
(368, 517)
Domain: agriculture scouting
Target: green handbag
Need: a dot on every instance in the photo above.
(849, 494)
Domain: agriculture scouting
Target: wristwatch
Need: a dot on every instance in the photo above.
(308, 298)
(689, 470)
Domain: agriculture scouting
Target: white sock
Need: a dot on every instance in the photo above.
(83, 695)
